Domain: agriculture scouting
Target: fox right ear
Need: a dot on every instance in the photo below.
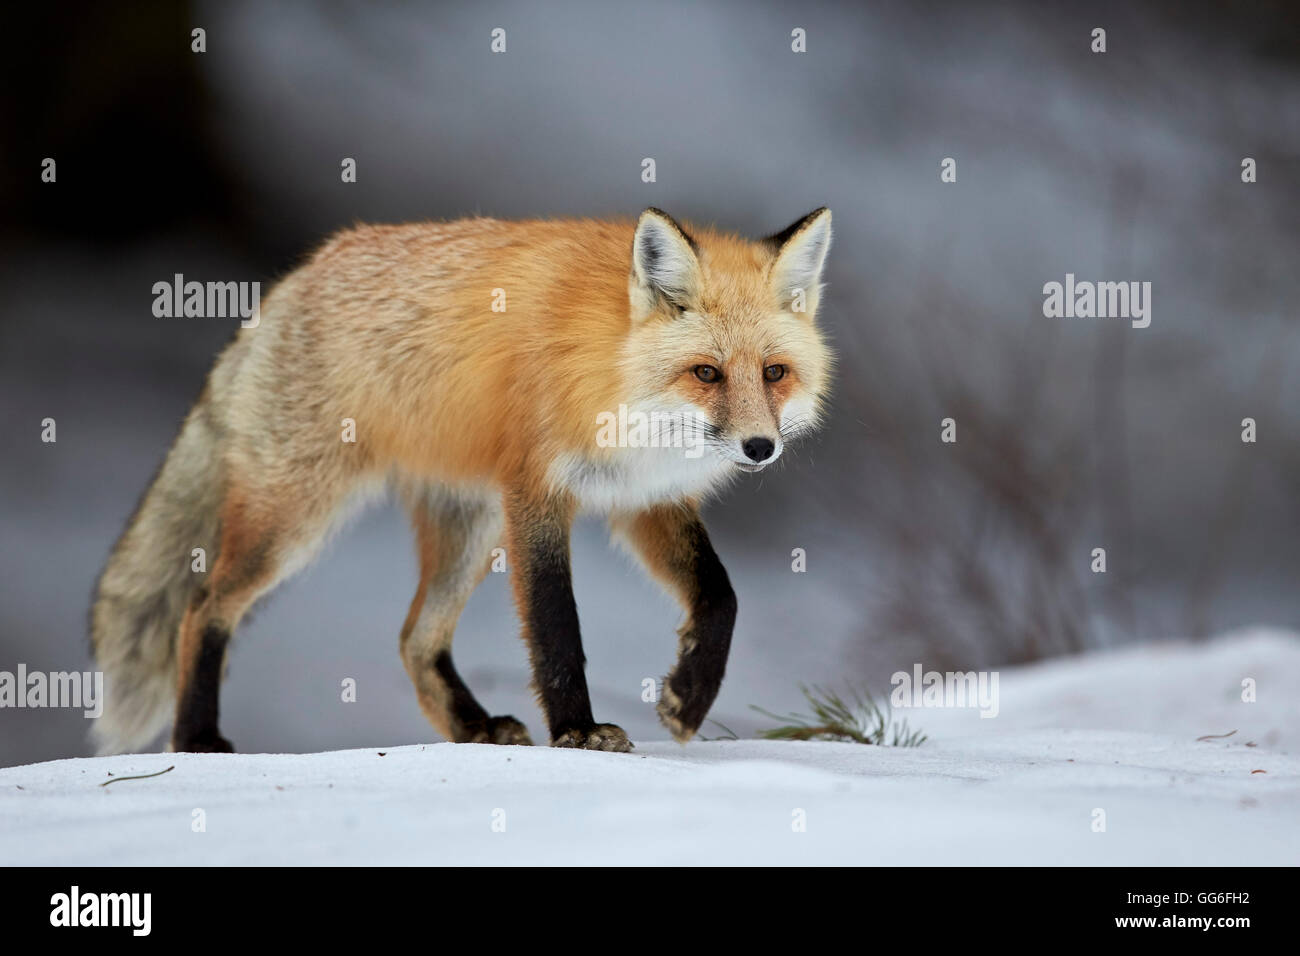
(665, 268)
(800, 251)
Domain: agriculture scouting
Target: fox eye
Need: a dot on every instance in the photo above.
(707, 373)
(774, 373)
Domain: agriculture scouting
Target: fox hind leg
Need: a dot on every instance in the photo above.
(259, 530)
(455, 536)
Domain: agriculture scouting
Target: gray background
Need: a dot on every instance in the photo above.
(1073, 434)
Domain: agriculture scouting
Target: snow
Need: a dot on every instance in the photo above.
(1115, 732)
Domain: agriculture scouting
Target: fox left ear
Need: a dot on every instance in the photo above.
(801, 249)
(665, 267)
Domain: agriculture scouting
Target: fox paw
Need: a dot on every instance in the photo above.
(677, 716)
(203, 743)
(499, 730)
(595, 737)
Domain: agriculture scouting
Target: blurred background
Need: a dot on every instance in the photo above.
(1072, 434)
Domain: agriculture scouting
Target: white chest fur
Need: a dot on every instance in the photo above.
(625, 479)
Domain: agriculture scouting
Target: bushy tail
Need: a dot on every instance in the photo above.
(147, 586)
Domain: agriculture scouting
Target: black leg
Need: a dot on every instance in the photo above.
(196, 713)
(539, 538)
(672, 542)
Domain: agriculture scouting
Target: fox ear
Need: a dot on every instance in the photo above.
(800, 256)
(665, 267)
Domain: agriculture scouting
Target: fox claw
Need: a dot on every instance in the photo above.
(501, 730)
(597, 737)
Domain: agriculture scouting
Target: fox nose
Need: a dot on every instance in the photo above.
(757, 449)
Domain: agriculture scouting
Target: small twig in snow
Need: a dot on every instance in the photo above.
(143, 776)
(1217, 736)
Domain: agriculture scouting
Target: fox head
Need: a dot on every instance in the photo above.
(724, 333)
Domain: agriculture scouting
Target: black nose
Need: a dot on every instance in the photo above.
(757, 449)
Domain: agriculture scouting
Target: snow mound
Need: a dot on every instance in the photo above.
(1111, 737)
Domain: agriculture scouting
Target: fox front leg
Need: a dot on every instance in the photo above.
(672, 542)
(538, 536)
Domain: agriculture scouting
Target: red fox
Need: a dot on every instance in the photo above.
(473, 363)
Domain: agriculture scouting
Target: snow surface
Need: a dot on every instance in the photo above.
(1113, 731)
